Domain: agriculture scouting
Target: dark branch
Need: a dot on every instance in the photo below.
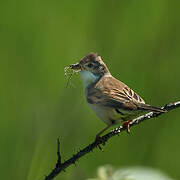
(62, 166)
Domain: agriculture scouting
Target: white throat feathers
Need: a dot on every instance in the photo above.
(88, 78)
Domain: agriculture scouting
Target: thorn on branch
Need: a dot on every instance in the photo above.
(58, 164)
(165, 107)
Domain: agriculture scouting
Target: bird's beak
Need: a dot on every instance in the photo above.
(76, 67)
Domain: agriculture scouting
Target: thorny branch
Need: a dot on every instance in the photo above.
(62, 166)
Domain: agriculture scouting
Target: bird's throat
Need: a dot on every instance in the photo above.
(88, 78)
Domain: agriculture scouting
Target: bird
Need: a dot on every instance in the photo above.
(111, 100)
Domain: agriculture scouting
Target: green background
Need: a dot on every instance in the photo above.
(139, 41)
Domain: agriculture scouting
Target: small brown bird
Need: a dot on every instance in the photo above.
(111, 100)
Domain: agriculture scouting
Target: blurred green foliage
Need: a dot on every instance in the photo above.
(139, 41)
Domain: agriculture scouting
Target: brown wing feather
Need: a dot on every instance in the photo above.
(111, 92)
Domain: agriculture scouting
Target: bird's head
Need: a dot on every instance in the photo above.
(91, 68)
(92, 63)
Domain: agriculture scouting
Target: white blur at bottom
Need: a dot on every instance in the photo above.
(107, 172)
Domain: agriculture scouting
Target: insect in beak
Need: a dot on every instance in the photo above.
(75, 67)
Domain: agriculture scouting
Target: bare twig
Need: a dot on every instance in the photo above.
(62, 166)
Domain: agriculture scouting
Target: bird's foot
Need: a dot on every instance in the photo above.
(126, 125)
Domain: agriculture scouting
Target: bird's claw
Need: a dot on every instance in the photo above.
(126, 125)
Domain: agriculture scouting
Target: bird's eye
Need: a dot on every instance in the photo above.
(90, 65)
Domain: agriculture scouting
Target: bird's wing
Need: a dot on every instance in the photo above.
(111, 92)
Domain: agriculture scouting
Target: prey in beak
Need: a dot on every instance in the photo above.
(71, 70)
(76, 67)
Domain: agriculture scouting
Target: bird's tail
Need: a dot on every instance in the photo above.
(148, 107)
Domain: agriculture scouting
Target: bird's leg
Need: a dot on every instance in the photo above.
(98, 135)
(99, 138)
(126, 125)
